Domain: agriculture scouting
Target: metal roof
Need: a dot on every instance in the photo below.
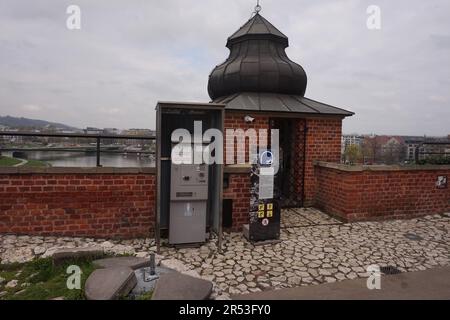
(257, 63)
(259, 76)
(272, 102)
(257, 26)
(190, 103)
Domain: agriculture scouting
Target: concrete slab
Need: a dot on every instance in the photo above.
(130, 262)
(421, 285)
(110, 283)
(62, 255)
(177, 286)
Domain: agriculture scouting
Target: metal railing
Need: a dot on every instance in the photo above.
(97, 137)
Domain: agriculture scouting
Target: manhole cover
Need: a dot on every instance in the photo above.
(390, 270)
(412, 236)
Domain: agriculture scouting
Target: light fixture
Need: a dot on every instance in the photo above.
(249, 119)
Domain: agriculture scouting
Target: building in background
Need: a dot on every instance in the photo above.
(138, 132)
(92, 130)
(434, 148)
(412, 147)
(351, 139)
(385, 149)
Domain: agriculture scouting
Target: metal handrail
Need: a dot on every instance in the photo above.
(75, 135)
(98, 138)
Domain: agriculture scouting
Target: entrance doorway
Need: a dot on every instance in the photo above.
(289, 182)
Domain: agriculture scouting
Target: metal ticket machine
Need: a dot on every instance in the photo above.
(188, 203)
(189, 193)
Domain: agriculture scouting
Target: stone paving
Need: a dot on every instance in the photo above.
(315, 249)
(304, 217)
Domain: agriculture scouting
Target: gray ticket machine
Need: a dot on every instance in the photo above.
(188, 203)
(188, 193)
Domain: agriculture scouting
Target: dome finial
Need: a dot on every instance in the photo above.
(257, 8)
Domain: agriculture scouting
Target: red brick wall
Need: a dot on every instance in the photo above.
(236, 121)
(323, 143)
(122, 205)
(380, 194)
(94, 205)
(239, 191)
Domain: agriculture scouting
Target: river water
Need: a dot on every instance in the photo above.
(72, 159)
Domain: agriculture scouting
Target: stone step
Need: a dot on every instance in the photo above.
(110, 283)
(177, 286)
(130, 262)
(62, 255)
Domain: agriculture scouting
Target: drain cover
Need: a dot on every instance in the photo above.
(412, 236)
(390, 270)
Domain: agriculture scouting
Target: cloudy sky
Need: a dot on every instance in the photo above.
(130, 54)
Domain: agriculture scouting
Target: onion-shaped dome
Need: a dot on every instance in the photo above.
(257, 63)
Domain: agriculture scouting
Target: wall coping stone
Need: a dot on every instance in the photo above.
(236, 168)
(360, 168)
(75, 170)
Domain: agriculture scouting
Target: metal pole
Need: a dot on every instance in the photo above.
(152, 264)
(98, 152)
(221, 166)
(158, 180)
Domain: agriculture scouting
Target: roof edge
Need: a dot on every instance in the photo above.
(226, 100)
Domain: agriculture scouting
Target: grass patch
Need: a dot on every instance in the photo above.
(8, 162)
(145, 296)
(40, 280)
(36, 163)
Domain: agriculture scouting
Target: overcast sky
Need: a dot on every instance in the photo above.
(130, 54)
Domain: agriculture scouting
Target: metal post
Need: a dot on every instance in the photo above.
(152, 264)
(221, 166)
(98, 152)
(158, 180)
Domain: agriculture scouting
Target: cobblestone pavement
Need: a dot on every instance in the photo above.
(315, 249)
(305, 217)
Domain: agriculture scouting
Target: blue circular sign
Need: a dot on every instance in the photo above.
(266, 158)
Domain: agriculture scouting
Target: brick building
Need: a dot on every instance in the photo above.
(260, 81)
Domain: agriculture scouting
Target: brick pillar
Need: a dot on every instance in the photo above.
(323, 143)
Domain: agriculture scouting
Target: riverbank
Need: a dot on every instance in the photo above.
(8, 162)
(15, 162)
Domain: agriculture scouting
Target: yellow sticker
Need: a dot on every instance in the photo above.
(261, 207)
(261, 214)
(269, 214)
(269, 206)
